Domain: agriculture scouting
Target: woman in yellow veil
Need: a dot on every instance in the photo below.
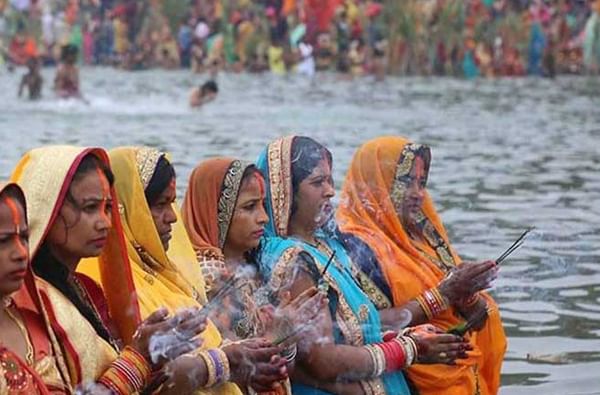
(163, 261)
(70, 217)
(386, 213)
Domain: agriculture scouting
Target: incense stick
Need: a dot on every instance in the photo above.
(328, 263)
(301, 327)
(518, 243)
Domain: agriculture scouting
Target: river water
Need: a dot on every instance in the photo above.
(507, 154)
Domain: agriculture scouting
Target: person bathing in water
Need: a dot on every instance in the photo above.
(205, 93)
(66, 82)
(32, 80)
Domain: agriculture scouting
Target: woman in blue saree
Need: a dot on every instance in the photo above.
(350, 353)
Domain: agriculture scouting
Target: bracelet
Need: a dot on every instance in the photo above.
(432, 302)
(410, 348)
(395, 355)
(210, 367)
(378, 359)
(127, 374)
(221, 361)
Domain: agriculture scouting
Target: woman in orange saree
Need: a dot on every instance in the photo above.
(223, 212)
(385, 208)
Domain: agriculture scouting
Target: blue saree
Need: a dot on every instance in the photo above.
(355, 315)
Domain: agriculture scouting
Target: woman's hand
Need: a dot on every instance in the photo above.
(161, 338)
(467, 279)
(476, 315)
(436, 346)
(256, 363)
(292, 318)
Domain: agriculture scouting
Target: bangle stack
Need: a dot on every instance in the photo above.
(410, 348)
(378, 360)
(392, 355)
(432, 302)
(217, 366)
(128, 374)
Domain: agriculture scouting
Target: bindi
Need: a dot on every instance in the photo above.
(105, 193)
(17, 218)
(261, 184)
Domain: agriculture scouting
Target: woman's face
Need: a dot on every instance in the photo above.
(313, 197)
(415, 191)
(14, 245)
(85, 218)
(249, 218)
(164, 215)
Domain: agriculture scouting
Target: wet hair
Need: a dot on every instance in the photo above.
(162, 177)
(306, 155)
(209, 87)
(48, 267)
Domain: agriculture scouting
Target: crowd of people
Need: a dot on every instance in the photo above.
(254, 284)
(353, 37)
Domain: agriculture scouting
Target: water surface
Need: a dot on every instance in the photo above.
(507, 154)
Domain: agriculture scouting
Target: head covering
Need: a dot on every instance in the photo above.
(45, 174)
(208, 209)
(175, 274)
(210, 201)
(276, 165)
(357, 318)
(27, 296)
(372, 198)
(172, 278)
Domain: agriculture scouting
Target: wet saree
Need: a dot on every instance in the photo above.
(45, 175)
(170, 279)
(354, 313)
(372, 196)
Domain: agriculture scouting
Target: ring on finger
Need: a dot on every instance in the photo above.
(443, 355)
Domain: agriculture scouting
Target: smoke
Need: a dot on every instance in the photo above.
(171, 344)
(92, 388)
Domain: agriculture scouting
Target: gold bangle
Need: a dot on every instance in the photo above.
(211, 369)
(424, 306)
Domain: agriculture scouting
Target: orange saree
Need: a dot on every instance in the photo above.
(207, 212)
(372, 196)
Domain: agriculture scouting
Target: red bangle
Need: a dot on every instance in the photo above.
(395, 356)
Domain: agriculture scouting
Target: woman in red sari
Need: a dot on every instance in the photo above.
(16, 376)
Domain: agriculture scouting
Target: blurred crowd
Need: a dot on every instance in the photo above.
(466, 38)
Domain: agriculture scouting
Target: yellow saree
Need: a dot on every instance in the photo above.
(45, 175)
(372, 196)
(172, 278)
